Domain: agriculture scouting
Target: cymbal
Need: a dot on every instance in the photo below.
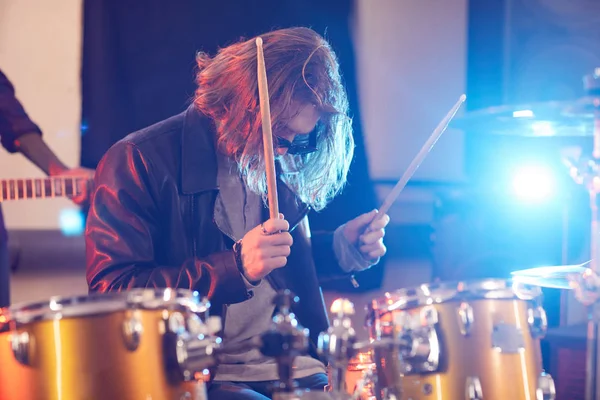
(549, 119)
(557, 277)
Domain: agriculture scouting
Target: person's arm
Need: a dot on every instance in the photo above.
(18, 133)
(32, 146)
(351, 248)
(123, 226)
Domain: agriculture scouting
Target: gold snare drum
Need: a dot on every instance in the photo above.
(464, 340)
(109, 346)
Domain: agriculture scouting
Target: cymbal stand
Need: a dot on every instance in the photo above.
(336, 345)
(589, 176)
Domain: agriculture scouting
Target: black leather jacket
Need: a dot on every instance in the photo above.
(151, 224)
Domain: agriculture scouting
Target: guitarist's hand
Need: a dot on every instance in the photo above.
(87, 175)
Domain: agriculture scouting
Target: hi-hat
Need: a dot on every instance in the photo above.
(549, 119)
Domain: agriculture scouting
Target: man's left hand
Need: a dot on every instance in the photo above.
(84, 173)
(366, 233)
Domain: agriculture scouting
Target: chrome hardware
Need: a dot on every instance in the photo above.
(421, 347)
(203, 308)
(195, 353)
(473, 390)
(546, 389)
(132, 330)
(405, 321)
(20, 344)
(465, 318)
(422, 354)
(538, 322)
(336, 345)
(285, 340)
(507, 339)
(176, 323)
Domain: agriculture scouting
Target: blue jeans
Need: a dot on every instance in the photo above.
(4, 275)
(219, 390)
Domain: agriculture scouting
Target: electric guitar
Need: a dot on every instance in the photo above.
(43, 188)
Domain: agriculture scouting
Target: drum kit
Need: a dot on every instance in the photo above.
(446, 341)
(470, 340)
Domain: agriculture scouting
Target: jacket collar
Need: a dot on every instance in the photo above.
(198, 154)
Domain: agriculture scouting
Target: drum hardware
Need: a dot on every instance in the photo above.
(538, 322)
(473, 390)
(132, 330)
(195, 354)
(336, 346)
(546, 388)
(20, 344)
(192, 344)
(465, 318)
(176, 323)
(420, 346)
(284, 342)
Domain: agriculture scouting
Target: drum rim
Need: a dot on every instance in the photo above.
(443, 292)
(58, 307)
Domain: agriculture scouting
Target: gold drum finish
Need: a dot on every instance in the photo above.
(463, 340)
(109, 346)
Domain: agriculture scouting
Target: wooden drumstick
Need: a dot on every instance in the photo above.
(393, 195)
(265, 112)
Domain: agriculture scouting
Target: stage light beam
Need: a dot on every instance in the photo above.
(533, 183)
(71, 222)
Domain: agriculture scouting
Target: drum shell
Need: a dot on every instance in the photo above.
(502, 375)
(86, 357)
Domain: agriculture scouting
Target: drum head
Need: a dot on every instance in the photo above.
(101, 303)
(442, 292)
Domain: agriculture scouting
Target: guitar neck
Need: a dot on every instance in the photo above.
(42, 188)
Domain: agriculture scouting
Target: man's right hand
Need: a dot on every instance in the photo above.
(265, 248)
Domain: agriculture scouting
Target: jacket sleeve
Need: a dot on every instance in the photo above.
(14, 121)
(336, 258)
(326, 263)
(122, 230)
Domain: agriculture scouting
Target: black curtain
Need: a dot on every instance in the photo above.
(139, 64)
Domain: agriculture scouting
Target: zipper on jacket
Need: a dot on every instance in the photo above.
(192, 227)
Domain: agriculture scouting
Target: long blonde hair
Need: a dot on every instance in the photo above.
(301, 66)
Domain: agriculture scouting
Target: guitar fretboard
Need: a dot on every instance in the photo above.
(19, 189)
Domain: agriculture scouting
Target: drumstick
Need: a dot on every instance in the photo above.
(393, 195)
(265, 112)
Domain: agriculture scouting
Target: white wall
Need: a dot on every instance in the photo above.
(40, 52)
(411, 59)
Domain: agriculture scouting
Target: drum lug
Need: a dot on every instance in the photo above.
(465, 318)
(473, 390)
(546, 389)
(132, 330)
(20, 344)
(538, 322)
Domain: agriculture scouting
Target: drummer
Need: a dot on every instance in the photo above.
(182, 203)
